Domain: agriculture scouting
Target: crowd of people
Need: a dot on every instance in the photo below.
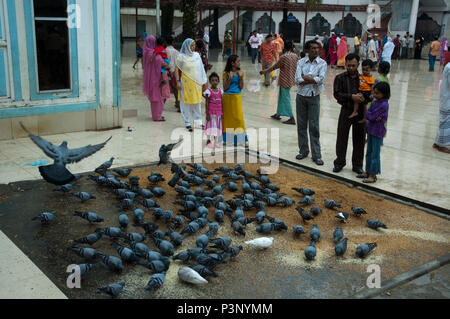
(364, 100)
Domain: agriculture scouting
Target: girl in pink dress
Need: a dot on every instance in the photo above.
(213, 96)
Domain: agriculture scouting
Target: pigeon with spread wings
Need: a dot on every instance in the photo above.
(165, 149)
(57, 173)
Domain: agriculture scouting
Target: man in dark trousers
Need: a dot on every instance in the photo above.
(346, 93)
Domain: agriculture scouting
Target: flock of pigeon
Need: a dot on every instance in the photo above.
(258, 194)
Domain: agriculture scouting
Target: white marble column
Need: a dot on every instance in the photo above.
(413, 17)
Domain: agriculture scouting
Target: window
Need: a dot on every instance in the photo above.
(52, 45)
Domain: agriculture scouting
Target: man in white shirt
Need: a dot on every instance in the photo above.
(172, 55)
(261, 40)
(411, 43)
(254, 42)
(309, 77)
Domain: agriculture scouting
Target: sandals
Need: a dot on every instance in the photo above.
(363, 175)
(161, 120)
(371, 179)
(276, 117)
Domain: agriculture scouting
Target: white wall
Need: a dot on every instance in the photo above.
(105, 52)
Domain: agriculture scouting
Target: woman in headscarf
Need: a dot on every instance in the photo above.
(191, 77)
(342, 52)
(388, 49)
(152, 79)
(332, 50)
(444, 49)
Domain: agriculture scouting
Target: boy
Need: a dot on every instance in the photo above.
(366, 82)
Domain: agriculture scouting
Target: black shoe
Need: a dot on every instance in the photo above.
(358, 171)
(301, 156)
(290, 121)
(337, 168)
(318, 161)
(189, 128)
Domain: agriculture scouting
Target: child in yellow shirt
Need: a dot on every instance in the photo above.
(366, 82)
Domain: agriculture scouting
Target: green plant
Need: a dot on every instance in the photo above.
(190, 18)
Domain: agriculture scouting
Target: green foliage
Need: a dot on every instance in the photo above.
(190, 18)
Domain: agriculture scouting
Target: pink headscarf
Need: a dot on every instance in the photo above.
(342, 48)
(152, 71)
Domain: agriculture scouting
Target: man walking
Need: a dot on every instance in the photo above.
(261, 40)
(309, 77)
(346, 93)
(268, 56)
(434, 50)
(411, 43)
(254, 44)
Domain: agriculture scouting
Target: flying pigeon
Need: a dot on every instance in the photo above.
(338, 234)
(364, 249)
(89, 216)
(342, 216)
(310, 251)
(45, 217)
(57, 173)
(102, 168)
(114, 290)
(358, 211)
(262, 242)
(331, 204)
(190, 275)
(341, 248)
(375, 224)
(156, 281)
(166, 149)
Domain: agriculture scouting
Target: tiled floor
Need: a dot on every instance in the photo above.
(410, 166)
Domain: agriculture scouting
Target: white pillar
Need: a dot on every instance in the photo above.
(413, 17)
(158, 20)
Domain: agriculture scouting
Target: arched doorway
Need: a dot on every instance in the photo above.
(427, 28)
(264, 23)
(352, 26)
(318, 25)
(291, 29)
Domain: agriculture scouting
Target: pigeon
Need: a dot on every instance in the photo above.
(233, 251)
(202, 241)
(260, 216)
(245, 220)
(84, 196)
(202, 221)
(114, 290)
(175, 237)
(185, 184)
(191, 228)
(238, 213)
(153, 255)
(279, 224)
(123, 172)
(145, 193)
(166, 149)
(136, 237)
(261, 242)
(156, 281)
(314, 233)
(149, 227)
(342, 216)
(184, 191)
(148, 203)
(358, 211)
(57, 173)
(177, 221)
(165, 247)
(338, 234)
(158, 191)
(210, 261)
(134, 180)
(364, 249)
(304, 214)
(341, 248)
(304, 191)
(156, 266)
(221, 243)
(331, 204)
(140, 249)
(159, 234)
(112, 262)
(203, 271)
(126, 254)
(310, 251)
(286, 201)
(112, 232)
(184, 256)
(123, 219)
(155, 178)
(298, 230)
(238, 227)
(223, 169)
(375, 224)
(64, 188)
(87, 253)
(45, 217)
(191, 276)
(138, 214)
(126, 203)
(315, 210)
(174, 180)
(89, 239)
(218, 215)
(89, 216)
(85, 268)
(102, 168)
(307, 200)
(213, 229)
(273, 187)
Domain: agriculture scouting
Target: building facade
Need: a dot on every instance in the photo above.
(59, 66)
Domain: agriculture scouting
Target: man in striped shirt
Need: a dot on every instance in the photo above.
(309, 77)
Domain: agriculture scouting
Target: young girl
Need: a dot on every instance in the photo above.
(377, 115)
(213, 96)
(233, 117)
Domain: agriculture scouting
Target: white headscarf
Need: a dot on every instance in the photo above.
(191, 64)
(388, 49)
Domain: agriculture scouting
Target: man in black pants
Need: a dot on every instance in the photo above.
(346, 93)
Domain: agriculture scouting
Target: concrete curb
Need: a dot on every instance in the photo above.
(404, 278)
